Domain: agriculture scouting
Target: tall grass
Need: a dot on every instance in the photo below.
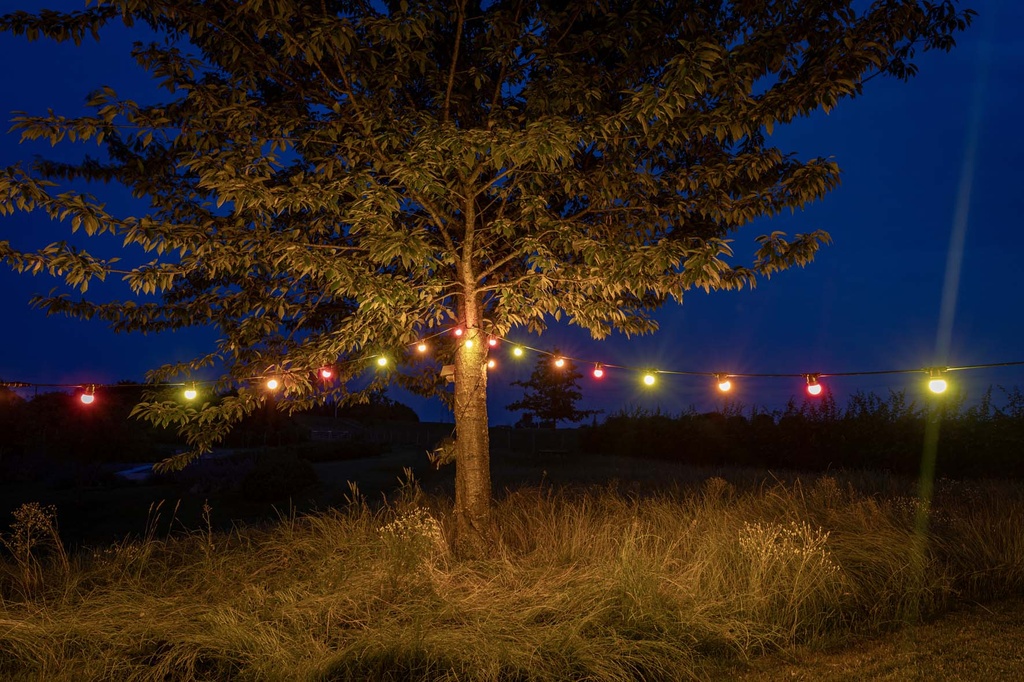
(594, 584)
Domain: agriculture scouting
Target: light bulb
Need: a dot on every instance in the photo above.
(458, 331)
(814, 389)
(272, 384)
(598, 371)
(87, 398)
(491, 364)
(938, 385)
(492, 342)
(326, 373)
(382, 361)
(469, 343)
(422, 347)
(191, 393)
(724, 385)
(559, 362)
(649, 379)
(517, 351)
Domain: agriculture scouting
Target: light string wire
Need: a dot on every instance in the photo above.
(89, 385)
(934, 371)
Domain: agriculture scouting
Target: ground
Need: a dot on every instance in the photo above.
(983, 643)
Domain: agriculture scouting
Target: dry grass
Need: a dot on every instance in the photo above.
(587, 585)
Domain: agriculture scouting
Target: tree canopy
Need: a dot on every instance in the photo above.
(330, 181)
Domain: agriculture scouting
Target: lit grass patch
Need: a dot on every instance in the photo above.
(584, 584)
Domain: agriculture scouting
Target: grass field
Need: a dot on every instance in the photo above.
(708, 580)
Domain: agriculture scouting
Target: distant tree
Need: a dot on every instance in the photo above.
(332, 180)
(378, 406)
(551, 394)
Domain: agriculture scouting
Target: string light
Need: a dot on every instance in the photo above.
(491, 364)
(937, 382)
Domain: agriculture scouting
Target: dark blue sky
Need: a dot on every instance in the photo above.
(909, 153)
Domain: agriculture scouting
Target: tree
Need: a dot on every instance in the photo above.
(551, 393)
(329, 181)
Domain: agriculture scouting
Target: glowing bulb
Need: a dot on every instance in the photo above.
(458, 331)
(382, 361)
(422, 347)
(191, 393)
(326, 373)
(492, 342)
(87, 398)
(649, 379)
(814, 389)
(559, 362)
(491, 364)
(598, 371)
(469, 343)
(517, 351)
(724, 385)
(938, 385)
(272, 384)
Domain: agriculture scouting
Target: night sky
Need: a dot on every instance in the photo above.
(918, 158)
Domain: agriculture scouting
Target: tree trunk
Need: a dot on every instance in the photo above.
(475, 534)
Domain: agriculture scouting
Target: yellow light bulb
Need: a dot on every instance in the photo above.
(491, 364)
(517, 351)
(938, 385)
(190, 393)
(559, 362)
(725, 386)
(649, 379)
(422, 347)
(272, 384)
(469, 343)
(382, 361)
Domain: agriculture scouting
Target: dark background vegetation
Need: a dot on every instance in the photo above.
(869, 433)
(53, 441)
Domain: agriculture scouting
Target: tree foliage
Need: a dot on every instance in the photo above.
(551, 393)
(329, 180)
